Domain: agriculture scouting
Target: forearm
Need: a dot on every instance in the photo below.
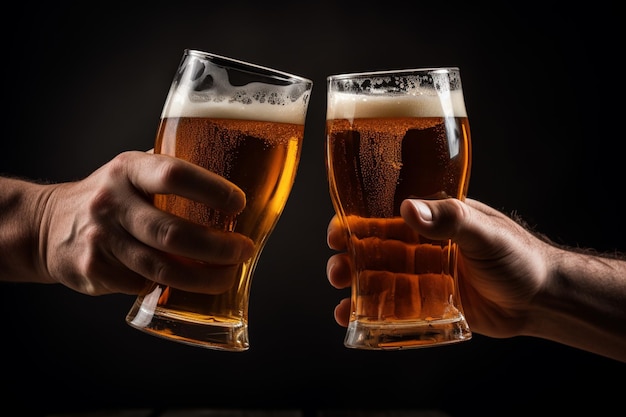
(20, 217)
(584, 304)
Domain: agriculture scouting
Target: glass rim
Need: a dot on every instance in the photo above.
(393, 72)
(248, 66)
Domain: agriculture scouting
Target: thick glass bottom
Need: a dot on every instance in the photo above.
(230, 336)
(405, 335)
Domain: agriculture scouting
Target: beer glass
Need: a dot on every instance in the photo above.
(390, 136)
(246, 123)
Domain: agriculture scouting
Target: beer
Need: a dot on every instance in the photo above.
(261, 158)
(251, 135)
(380, 150)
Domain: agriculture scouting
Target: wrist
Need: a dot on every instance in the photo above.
(21, 209)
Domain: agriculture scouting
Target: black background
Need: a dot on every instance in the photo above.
(543, 87)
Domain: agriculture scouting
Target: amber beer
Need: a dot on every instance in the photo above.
(250, 134)
(393, 136)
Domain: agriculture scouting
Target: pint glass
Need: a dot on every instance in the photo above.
(391, 136)
(245, 123)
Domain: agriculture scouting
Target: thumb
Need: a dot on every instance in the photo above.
(474, 226)
(448, 218)
(435, 219)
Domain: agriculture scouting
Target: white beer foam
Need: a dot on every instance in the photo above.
(413, 104)
(253, 101)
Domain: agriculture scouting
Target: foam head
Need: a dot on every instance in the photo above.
(211, 86)
(406, 93)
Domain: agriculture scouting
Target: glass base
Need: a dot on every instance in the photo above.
(231, 336)
(398, 335)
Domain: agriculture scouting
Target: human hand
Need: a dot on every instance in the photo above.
(104, 235)
(502, 266)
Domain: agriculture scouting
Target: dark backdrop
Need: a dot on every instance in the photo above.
(543, 86)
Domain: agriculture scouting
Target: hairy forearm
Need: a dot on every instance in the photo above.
(583, 305)
(20, 217)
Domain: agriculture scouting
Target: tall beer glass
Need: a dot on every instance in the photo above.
(390, 136)
(245, 123)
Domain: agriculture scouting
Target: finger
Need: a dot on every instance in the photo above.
(112, 277)
(196, 277)
(175, 271)
(474, 226)
(99, 273)
(363, 227)
(342, 312)
(336, 234)
(169, 233)
(339, 270)
(393, 228)
(437, 219)
(162, 174)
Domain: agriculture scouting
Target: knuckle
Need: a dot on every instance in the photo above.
(170, 171)
(159, 271)
(460, 210)
(166, 232)
(85, 278)
(118, 165)
(102, 203)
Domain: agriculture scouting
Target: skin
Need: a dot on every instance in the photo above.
(512, 281)
(103, 235)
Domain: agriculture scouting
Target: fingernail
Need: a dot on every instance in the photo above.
(423, 210)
